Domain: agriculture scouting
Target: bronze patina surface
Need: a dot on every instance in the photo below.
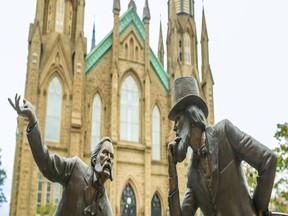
(215, 180)
(83, 186)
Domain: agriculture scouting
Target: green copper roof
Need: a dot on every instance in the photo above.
(127, 19)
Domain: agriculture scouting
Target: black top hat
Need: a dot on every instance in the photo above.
(185, 92)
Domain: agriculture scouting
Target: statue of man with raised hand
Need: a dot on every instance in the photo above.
(83, 186)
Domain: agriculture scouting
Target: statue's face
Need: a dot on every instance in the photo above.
(182, 129)
(105, 160)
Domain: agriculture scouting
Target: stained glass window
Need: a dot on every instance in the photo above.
(155, 206)
(128, 202)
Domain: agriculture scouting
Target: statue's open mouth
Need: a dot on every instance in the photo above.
(107, 168)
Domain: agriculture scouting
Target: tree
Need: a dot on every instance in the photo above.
(251, 175)
(280, 199)
(2, 178)
(46, 210)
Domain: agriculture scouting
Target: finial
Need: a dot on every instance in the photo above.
(146, 11)
(116, 6)
(93, 42)
(132, 4)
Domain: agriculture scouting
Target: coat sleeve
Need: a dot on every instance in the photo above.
(189, 204)
(52, 166)
(258, 156)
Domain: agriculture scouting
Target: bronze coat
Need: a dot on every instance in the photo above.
(229, 195)
(72, 173)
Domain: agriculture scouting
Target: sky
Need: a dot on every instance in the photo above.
(248, 45)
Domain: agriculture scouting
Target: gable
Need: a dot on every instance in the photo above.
(130, 17)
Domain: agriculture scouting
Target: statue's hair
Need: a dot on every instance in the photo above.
(97, 149)
(196, 116)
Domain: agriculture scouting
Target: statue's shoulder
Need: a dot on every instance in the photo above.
(223, 124)
(78, 162)
(220, 127)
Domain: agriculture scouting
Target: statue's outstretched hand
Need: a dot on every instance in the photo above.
(25, 111)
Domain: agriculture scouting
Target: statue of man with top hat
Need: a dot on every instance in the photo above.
(215, 179)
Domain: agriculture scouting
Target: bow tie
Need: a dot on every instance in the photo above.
(197, 154)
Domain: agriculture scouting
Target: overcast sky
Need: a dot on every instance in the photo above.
(248, 44)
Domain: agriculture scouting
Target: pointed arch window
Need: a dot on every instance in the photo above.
(128, 202)
(60, 11)
(136, 53)
(155, 206)
(187, 48)
(131, 46)
(96, 121)
(156, 134)
(129, 120)
(54, 107)
(126, 51)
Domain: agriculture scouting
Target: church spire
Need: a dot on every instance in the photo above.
(161, 46)
(116, 6)
(204, 40)
(93, 37)
(146, 11)
(207, 77)
(132, 4)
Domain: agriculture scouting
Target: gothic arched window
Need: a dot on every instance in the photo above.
(60, 11)
(131, 46)
(136, 53)
(187, 48)
(156, 134)
(126, 51)
(54, 107)
(155, 206)
(96, 121)
(128, 202)
(129, 116)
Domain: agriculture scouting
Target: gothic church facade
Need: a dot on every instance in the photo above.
(120, 89)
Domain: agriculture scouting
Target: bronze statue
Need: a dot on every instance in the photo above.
(215, 180)
(83, 186)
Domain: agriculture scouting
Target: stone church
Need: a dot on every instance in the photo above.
(119, 89)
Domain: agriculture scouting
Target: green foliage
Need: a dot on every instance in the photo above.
(2, 178)
(47, 210)
(251, 175)
(280, 199)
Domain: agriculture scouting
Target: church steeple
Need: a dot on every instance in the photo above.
(161, 46)
(182, 55)
(207, 77)
(93, 42)
(182, 7)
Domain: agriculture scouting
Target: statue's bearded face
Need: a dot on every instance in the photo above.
(182, 129)
(105, 160)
